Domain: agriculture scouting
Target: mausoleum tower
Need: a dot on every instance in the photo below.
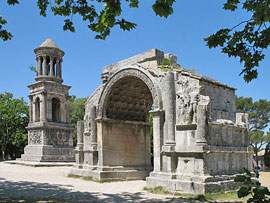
(49, 128)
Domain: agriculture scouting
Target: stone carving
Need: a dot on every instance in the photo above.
(35, 137)
(57, 137)
(188, 98)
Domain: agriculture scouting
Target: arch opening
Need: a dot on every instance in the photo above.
(48, 62)
(56, 110)
(37, 110)
(126, 131)
(41, 65)
(54, 67)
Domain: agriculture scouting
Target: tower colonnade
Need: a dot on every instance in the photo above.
(49, 66)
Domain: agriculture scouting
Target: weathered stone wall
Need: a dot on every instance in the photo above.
(227, 161)
(227, 135)
(190, 165)
(126, 144)
(222, 104)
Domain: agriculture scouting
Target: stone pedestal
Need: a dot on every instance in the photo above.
(49, 142)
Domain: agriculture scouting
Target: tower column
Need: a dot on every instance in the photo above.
(60, 68)
(51, 66)
(45, 66)
(57, 68)
(30, 108)
(43, 116)
(68, 109)
(39, 66)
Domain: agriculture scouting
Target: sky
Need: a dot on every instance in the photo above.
(181, 34)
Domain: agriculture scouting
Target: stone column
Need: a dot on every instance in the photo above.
(93, 126)
(51, 66)
(169, 106)
(201, 125)
(30, 108)
(101, 149)
(79, 148)
(34, 111)
(39, 66)
(60, 68)
(45, 66)
(158, 119)
(43, 108)
(68, 109)
(57, 68)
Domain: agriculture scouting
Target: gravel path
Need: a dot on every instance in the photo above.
(51, 184)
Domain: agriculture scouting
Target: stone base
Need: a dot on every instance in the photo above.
(48, 153)
(110, 173)
(192, 185)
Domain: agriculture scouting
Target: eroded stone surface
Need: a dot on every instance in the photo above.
(199, 142)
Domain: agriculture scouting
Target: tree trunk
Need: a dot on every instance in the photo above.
(4, 152)
(256, 156)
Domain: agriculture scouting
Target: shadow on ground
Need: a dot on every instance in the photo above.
(24, 191)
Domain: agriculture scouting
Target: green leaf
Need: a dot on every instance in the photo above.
(12, 2)
(240, 178)
(68, 25)
(231, 5)
(247, 172)
(163, 8)
(243, 191)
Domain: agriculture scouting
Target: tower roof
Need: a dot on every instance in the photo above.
(49, 43)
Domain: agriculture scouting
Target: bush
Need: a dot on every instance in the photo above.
(252, 187)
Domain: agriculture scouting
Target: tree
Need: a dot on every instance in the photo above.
(248, 39)
(13, 120)
(100, 21)
(259, 119)
(77, 111)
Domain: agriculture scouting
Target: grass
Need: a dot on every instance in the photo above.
(89, 178)
(222, 196)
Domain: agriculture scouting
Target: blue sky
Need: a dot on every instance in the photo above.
(181, 34)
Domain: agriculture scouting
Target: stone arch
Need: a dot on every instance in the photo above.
(56, 104)
(37, 109)
(135, 74)
(125, 130)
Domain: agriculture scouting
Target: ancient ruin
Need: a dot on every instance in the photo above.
(199, 141)
(49, 128)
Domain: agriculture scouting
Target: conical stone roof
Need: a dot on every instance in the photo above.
(49, 43)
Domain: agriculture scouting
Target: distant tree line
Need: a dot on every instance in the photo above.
(14, 117)
(259, 119)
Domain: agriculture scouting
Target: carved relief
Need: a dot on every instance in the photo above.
(187, 101)
(57, 137)
(35, 137)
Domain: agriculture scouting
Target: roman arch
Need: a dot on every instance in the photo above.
(199, 141)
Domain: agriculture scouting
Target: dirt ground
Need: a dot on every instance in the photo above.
(51, 184)
(265, 179)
